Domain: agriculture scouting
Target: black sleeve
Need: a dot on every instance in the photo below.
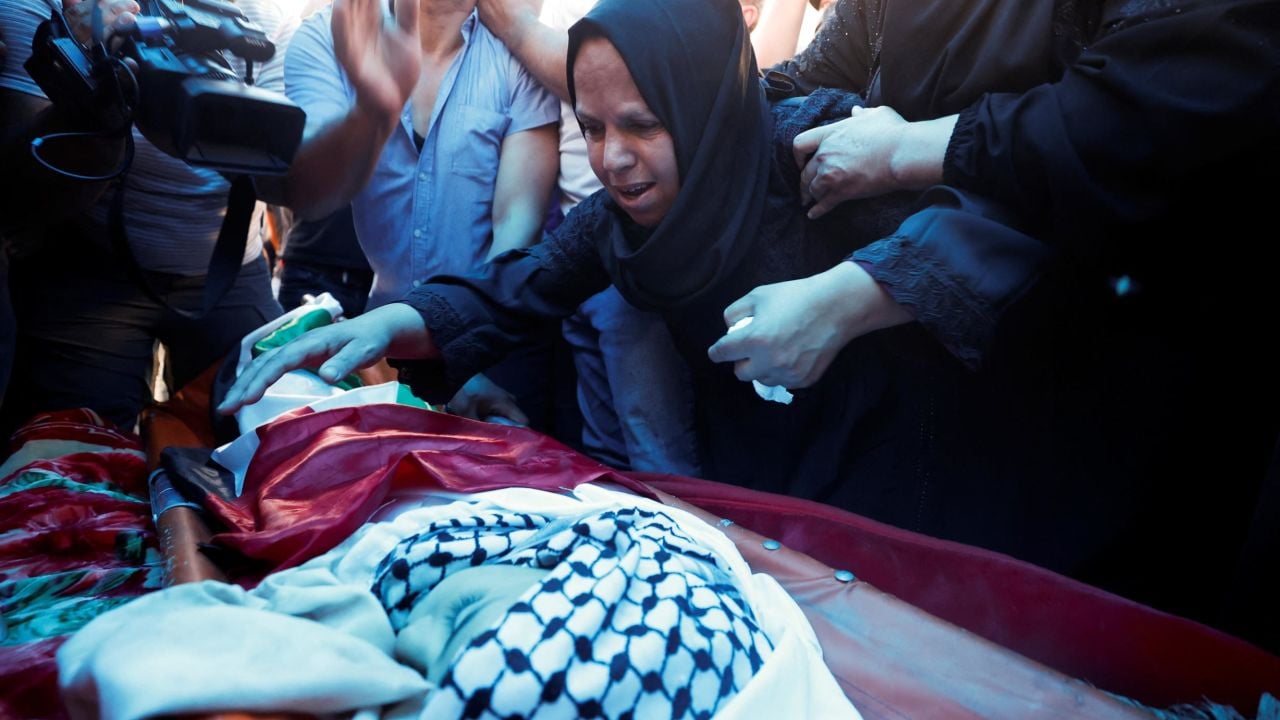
(476, 320)
(957, 264)
(840, 55)
(1132, 124)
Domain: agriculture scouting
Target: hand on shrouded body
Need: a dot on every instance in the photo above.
(334, 351)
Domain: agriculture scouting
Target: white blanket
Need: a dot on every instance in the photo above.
(314, 638)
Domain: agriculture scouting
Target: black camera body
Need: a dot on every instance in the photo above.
(184, 95)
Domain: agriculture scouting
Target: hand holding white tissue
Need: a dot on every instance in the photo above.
(798, 327)
(773, 393)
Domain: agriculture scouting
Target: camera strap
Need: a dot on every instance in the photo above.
(228, 252)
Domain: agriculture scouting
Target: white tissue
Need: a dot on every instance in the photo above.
(773, 393)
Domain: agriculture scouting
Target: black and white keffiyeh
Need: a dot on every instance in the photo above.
(632, 620)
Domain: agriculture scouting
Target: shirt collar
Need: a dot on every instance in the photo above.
(469, 26)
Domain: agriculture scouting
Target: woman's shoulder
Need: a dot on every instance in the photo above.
(573, 241)
(794, 115)
(587, 215)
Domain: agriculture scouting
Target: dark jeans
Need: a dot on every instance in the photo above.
(527, 373)
(634, 389)
(301, 277)
(86, 331)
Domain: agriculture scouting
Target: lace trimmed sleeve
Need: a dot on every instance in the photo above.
(475, 320)
(958, 264)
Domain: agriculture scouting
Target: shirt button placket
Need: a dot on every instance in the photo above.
(423, 205)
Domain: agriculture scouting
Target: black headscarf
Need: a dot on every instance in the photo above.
(693, 64)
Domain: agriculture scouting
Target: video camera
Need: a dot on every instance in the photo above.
(180, 89)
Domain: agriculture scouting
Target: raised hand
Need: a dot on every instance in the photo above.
(382, 61)
(504, 16)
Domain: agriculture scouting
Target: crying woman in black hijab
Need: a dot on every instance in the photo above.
(679, 132)
(700, 205)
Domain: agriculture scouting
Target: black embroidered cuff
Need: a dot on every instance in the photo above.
(959, 318)
(958, 166)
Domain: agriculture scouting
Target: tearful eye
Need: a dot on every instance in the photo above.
(644, 124)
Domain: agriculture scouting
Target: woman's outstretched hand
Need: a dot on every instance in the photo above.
(800, 326)
(334, 351)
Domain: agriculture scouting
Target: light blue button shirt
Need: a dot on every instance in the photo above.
(430, 212)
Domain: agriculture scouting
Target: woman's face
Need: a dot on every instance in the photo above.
(629, 149)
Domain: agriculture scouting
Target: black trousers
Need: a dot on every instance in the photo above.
(86, 330)
(302, 277)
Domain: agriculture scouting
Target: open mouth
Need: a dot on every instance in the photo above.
(634, 190)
